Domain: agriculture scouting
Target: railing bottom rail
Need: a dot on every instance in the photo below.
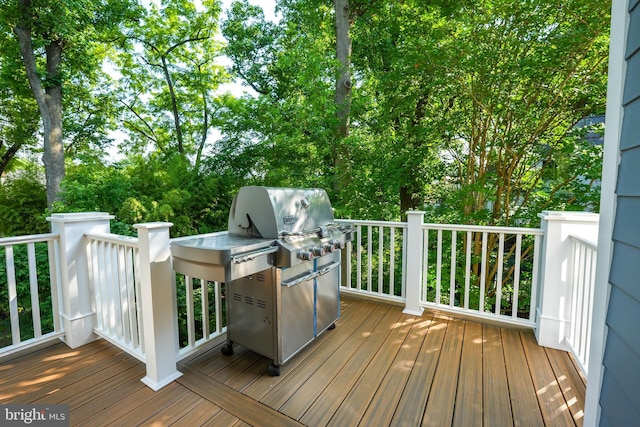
(30, 345)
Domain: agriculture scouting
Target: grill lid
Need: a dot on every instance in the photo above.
(272, 213)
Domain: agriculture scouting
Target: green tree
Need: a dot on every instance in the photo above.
(169, 78)
(474, 107)
(22, 203)
(526, 74)
(284, 134)
(469, 104)
(18, 112)
(57, 40)
(150, 188)
(468, 110)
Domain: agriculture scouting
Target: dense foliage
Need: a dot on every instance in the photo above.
(472, 111)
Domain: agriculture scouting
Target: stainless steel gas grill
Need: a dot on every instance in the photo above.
(280, 260)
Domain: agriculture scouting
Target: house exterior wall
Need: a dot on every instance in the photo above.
(620, 384)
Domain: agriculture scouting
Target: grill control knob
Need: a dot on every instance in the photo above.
(328, 247)
(305, 255)
(317, 251)
(337, 244)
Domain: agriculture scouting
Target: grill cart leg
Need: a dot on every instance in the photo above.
(332, 326)
(227, 349)
(273, 370)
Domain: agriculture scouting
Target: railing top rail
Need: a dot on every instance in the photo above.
(452, 227)
(114, 239)
(487, 228)
(374, 223)
(34, 238)
(586, 242)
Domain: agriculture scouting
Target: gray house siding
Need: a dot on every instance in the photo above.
(619, 400)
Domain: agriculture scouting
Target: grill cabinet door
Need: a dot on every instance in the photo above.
(297, 328)
(327, 291)
(251, 313)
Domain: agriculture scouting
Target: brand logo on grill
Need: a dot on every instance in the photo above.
(291, 219)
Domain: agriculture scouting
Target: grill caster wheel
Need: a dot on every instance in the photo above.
(332, 326)
(273, 370)
(227, 349)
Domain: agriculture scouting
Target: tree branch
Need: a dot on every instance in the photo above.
(151, 135)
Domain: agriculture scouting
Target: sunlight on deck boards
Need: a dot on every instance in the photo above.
(378, 367)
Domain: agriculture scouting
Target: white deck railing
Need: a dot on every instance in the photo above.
(201, 310)
(484, 272)
(487, 272)
(114, 270)
(585, 254)
(375, 260)
(25, 285)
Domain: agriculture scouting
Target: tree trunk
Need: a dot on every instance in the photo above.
(49, 99)
(205, 129)
(343, 92)
(53, 156)
(174, 105)
(343, 54)
(408, 200)
(8, 156)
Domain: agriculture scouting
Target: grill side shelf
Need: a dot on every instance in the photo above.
(222, 258)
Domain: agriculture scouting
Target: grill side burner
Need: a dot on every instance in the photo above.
(280, 259)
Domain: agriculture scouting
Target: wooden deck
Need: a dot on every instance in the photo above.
(378, 367)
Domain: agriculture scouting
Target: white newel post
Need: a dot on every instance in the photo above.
(414, 263)
(77, 304)
(556, 276)
(159, 312)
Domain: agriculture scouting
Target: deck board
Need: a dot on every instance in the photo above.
(524, 402)
(414, 399)
(552, 403)
(293, 372)
(383, 404)
(174, 412)
(295, 407)
(101, 405)
(496, 403)
(571, 383)
(468, 408)
(231, 401)
(222, 419)
(36, 376)
(198, 415)
(129, 413)
(441, 401)
(61, 390)
(356, 402)
(378, 367)
(339, 339)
